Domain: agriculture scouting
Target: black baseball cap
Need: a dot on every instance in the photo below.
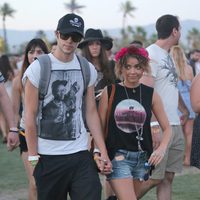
(71, 23)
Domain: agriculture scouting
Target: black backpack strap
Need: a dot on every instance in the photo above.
(85, 68)
(45, 74)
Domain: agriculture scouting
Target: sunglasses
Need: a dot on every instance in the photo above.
(75, 37)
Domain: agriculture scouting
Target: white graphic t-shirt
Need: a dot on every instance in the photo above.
(62, 127)
(166, 78)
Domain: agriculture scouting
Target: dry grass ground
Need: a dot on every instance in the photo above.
(13, 182)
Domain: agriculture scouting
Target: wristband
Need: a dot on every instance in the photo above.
(96, 151)
(33, 162)
(14, 130)
(154, 124)
(33, 158)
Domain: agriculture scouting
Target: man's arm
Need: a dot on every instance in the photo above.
(6, 106)
(94, 126)
(147, 79)
(31, 108)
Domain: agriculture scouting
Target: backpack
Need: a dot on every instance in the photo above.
(45, 75)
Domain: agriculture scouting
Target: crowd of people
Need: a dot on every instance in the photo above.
(133, 117)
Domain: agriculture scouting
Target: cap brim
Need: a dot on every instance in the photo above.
(107, 43)
(71, 30)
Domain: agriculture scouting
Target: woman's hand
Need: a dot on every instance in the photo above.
(156, 157)
(103, 163)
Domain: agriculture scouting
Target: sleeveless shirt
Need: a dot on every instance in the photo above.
(130, 113)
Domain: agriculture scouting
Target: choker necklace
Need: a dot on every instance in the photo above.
(139, 133)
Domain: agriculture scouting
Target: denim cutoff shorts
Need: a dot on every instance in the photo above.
(129, 164)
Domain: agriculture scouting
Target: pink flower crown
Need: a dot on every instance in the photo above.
(131, 50)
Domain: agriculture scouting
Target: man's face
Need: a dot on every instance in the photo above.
(177, 35)
(195, 56)
(67, 43)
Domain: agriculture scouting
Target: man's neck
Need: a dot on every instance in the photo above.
(164, 44)
(63, 57)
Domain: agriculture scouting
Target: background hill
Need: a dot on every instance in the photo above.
(18, 37)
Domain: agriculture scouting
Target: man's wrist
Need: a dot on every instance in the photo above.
(14, 130)
(96, 151)
(36, 157)
(33, 160)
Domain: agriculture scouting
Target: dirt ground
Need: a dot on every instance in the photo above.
(22, 194)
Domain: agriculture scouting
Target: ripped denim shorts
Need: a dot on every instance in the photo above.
(129, 164)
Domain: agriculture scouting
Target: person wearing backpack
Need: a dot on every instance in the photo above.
(63, 165)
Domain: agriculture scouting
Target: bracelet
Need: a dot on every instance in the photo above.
(33, 158)
(154, 124)
(33, 162)
(96, 158)
(14, 130)
(96, 151)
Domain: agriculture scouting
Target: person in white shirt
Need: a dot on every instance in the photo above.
(63, 163)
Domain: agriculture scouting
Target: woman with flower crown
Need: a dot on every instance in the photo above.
(126, 121)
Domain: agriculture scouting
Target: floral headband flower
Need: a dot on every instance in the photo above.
(131, 50)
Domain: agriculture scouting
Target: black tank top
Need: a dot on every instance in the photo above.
(130, 113)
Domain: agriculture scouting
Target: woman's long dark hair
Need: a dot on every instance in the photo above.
(103, 62)
(36, 42)
(5, 67)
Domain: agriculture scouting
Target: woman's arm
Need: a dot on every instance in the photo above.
(159, 112)
(195, 94)
(16, 97)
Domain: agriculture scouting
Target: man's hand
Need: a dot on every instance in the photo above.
(104, 165)
(12, 141)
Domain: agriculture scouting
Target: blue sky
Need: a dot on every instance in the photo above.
(105, 14)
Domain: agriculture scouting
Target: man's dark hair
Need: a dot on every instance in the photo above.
(165, 25)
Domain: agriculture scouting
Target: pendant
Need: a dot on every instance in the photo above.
(133, 90)
(139, 138)
(139, 146)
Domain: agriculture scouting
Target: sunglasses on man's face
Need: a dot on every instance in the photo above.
(74, 37)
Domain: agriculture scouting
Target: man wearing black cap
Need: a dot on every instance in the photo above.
(63, 164)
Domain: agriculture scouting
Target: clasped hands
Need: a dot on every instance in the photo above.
(103, 163)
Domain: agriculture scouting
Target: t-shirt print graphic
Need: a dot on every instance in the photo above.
(60, 116)
(129, 116)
